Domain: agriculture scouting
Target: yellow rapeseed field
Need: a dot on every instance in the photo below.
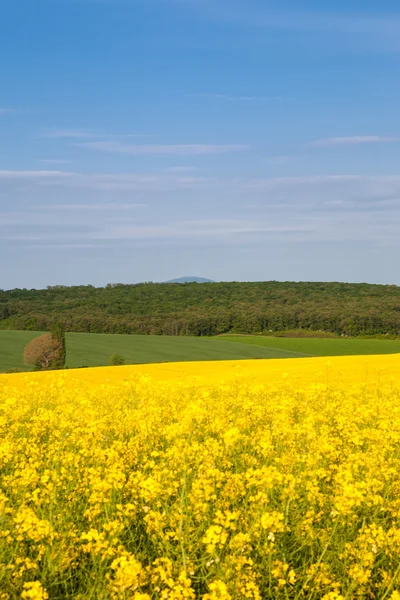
(211, 481)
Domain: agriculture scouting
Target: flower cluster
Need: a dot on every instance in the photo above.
(163, 490)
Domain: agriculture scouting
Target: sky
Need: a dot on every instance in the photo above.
(238, 140)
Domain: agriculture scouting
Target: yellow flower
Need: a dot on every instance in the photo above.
(34, 591)
(143, 482)
(218, 591)
(215, 537)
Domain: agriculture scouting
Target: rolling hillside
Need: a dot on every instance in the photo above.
(207, 309)
(96, 349)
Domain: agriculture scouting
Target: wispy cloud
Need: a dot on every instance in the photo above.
(312, 195)
(310, 180)
(315, 187)
(360, 29)
(237, 98)
(180, 169)
(256, 14)
(353, 141)
(193, 229)
(71, 133)
(86, 134)
(36, 175)
(278, 161)
(10, 110)
(103, 182)
(4, 110)
(346, 207)
(105, 206)
(167, 149)
(53, 161)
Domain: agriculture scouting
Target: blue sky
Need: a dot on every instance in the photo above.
(229, 139)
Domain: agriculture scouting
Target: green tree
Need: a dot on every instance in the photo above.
(117, 360)
(58, 336)
(206, 309)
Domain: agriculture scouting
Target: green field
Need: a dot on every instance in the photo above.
(91, 349)
(319, 346)
(12, 345)
(85, 349)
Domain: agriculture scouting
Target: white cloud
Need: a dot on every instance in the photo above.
(311, 180)
(334, 199)
(168, 150)
(318, 208)
(105, 206)
(278, 161)
(36, 175)
(6, 111)
(103, 182)
(54, 161)
(341, 31)
(353, 141)
(258, 14)
(236, 98)
(315, 187)
(180, 169)
(91, 134)
(76, 227)
(196, 229)
(11, 110)
(58, 246)
(71, 133)
(324, 190)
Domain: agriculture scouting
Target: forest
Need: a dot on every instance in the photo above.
(206, 309)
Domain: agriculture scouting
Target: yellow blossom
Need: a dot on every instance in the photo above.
(222, 481)
(34, 591)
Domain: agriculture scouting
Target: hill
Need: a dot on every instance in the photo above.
(207, 309)
(190, 280)
(95, 349)
(92, 350)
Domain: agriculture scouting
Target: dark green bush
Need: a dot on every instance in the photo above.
(117, 360)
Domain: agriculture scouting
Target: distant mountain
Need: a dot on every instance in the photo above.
(190, 280)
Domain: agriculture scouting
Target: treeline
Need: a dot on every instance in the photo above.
(206, 309)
